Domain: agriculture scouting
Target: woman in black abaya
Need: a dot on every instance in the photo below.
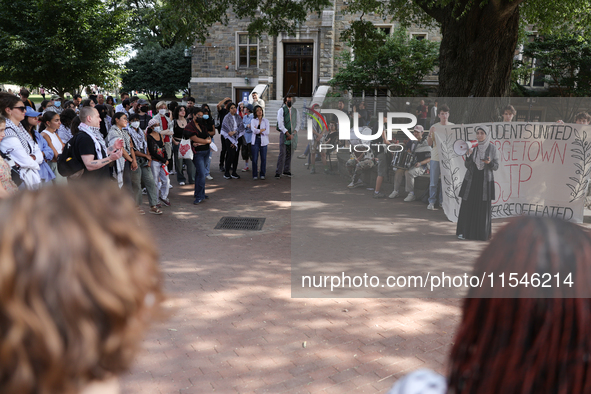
(478, 189)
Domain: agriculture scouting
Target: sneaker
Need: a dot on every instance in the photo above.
(358, 183)
(144, 191)
(245, 169)
(209, 178)
(461, 236)
(410, 197)
(172, 173)
(287, 174)
(254, 178)
(277, 176)
(431, 207)
(181, 183)
(262, 177)
(227, 177)
(302, 156)
(141, 211)
(351, 185)
(197, 202)
(235, 176)
(169, 186)
(313, 170)
(379, 195)
(165, 202)
(158, 205)
(222, 169)
(394, 194)
(307, 164)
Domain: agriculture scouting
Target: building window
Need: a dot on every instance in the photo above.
(535, 79)
(248, 51)
(419, 36)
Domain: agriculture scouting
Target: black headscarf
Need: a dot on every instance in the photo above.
(102, 110)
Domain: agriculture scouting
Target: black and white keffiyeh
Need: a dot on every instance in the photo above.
(64, 133)
(97, 137)
(139, 140)
(19, 131)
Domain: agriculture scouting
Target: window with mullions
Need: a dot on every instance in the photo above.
(248, 49)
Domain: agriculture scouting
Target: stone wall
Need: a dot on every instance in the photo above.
(211, 81)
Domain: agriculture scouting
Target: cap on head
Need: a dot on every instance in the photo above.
(31, 113)
(419, 128)
(153, 122)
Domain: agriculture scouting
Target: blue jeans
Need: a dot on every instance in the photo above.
(208, 162)
(434, 181)
(199, 159)
(256, 149)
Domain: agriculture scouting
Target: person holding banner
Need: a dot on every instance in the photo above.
(478, 189)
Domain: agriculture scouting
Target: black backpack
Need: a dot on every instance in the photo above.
(15, 169)
(67, 163)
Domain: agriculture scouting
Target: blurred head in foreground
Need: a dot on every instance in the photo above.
(528, 345)
(79, 282)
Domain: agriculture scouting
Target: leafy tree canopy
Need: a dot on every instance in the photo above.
(157, 72)
(396, 62)
(60, 44)
(564, 59)
(181, 22)
(479, 37)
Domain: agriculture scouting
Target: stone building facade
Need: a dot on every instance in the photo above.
(230, 63)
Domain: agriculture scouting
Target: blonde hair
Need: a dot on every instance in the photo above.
(160, 104)
(79, 281)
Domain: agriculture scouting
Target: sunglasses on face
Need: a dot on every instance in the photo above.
(23, 109)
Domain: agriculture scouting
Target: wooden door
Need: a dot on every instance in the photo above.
(298, 70)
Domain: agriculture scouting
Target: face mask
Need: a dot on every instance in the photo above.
(135, 125)
(205, 117)
(289, 104)
(144, 108)
(57, 104)
(162, 112)
(157, 129)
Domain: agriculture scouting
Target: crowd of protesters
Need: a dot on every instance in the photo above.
(135, 143)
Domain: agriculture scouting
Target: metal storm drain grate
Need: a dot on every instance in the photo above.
(237, 223)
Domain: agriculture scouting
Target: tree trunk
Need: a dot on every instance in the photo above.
(477, 50)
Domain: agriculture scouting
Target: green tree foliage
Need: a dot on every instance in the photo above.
(565, 60)
(60, 44)
(397, 62)
(479, 36)
(168, 23)
(157, 72)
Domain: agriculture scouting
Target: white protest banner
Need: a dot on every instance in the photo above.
(544, 168)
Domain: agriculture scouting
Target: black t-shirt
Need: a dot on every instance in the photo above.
(144, 120)
(192, 130)
(177, 130)
(85, 146)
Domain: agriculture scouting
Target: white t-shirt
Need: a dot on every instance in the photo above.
(55, 141)
(435, 151)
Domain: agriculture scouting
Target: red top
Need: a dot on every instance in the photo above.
(165, 127)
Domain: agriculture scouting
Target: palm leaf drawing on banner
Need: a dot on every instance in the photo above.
(582, 153)
(451, 184)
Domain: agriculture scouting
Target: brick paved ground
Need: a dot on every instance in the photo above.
(232, 325)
